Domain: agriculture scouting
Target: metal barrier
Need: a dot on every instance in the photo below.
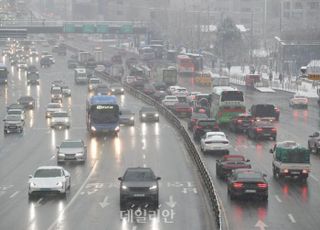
(174, 120)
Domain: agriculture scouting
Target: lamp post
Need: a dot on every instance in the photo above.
(265, 24)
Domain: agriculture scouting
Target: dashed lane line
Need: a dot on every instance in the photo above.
(291, 218)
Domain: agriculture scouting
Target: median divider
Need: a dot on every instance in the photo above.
(174, 120)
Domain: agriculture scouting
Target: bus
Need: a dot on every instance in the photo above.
(102, 115)
(197, 60)
(3, 74)
(185, 65)
(80, 76)
(147, 53)
(228, 103)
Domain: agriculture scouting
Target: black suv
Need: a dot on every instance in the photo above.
(139, 186)
(204, 125)
(269, 111)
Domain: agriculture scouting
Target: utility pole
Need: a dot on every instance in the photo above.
(251, 39)
(265, 24)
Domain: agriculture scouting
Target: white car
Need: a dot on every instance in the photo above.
(66, 91)
(72, 150)
(53, 107)
(181, 91)
(215, 143)
(60, 119)
(93, 83)
(172, 88)
(49, 179)
(19, 112)
(170, 100)
(192, 96)
(298, 101)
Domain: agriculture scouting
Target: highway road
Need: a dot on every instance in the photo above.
(291, 204)
(93, 202)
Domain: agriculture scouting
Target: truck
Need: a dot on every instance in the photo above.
(290, 160)
(170, 76)
(83, 57)
(3, 74)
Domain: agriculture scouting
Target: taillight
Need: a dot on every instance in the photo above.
(237, 185)
(193, 120)
(239, 121)
(262, 185)
(219, 114)
(273, 130)
(259, 129)
(198, 127)
(277, 110)
(305, 171)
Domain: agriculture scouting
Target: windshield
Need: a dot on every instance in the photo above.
(53, 106)
(3, 73)
(13, 118)
(14, 112)
(264, 111)
(250, 175)
(104, 113)
(295, 156)
(60, 115)
(94, 81)
(206, 123)
(42, 173)
(139, 175)
(56, 91)
(232, 96)
(71, 144)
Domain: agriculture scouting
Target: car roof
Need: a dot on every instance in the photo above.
(139, 169)
(243, 171)
(25, 97)
(72, 140)
(226, 157)
(148, 108)
(216, 133)
(217, 138)
(49, 167)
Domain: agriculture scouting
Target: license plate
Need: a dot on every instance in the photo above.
(12, 127)
(138, 195)
(70, 157)
(250, 191)
(295, 173)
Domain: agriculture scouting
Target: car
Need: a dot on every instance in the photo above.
(32, 69)
(72, 150)
(139, 186)
(247, 182)
(148, 114)
(262, 129)
(138, 83)
(228, 163)
(72, 64)
(215, 142)
(116, 88)
(33, 79)
(66, 91)
(180, 91)
(202, 126)
(56, 94)
(102, 89)
(51, 58)
(130, 79)
(15, 106)
(148, 89)
(298, 101)
(57, 83)
(159, 95)
(27, 101)
(172, 88)
(314, 142)
(60, 119)
(160, 86)
(127, 117)
(264, 111)
(33, 53)
(21, 65)
(93, 83)
(182, 109)
(45, 62)
(170, 101)
(19, 112)
(53, 107)
(13, 124)
(241, 122)
(193, 119)
(49, 179)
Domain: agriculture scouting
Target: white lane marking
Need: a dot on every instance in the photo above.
(278, 198)
(14, 194)
(144, 165)
(53, 225)
(38, 202)
(2, 193)
(314, 177)
(291, 218)
(144, 156)
(134, 228)
(52, 157)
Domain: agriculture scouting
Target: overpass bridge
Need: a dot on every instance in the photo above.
(20, 29)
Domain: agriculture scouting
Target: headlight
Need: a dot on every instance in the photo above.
(143, 115)
(93, 128)
(59, 184)
(61, 154)
(66, 120)
(30, 103)
(124, 187)
(131, 118)
(154, 187)
(156, 115)
(122, 89)
(112, 90)
(52, 96)
(79, 154)
(116, 128)
(32, 185)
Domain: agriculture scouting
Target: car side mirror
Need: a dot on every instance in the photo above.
(120, 178)
(30, 176)
(271, 150)
(158, 178)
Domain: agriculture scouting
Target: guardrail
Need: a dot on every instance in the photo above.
(174, 120)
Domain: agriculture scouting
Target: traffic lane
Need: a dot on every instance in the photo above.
(150, 145)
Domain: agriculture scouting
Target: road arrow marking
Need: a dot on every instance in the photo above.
(278, 199)
(261, 225)
(171, 203)
(14, 194)
(104, 203)
(291, 218)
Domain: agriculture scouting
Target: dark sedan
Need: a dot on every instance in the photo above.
(148, 114)
(159, 95)
(247, 182)
(228, 163)
(27, 102)
(116, 88)
(262, 129)
(159, 85)
(194, 118)
(126, 117)
(241, 122)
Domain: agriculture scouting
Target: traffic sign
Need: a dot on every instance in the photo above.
(126, 29)
(13, 33)
(314, 77)
(88, 28)
(103, 29)
(69, 28)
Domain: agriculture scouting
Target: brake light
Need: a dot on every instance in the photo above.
(239, 121)
(262, 185)
(198, 127)
(259, 129)
(193, 120)
(305, 171)
(274, 130)
(277, 109)
(237, 185)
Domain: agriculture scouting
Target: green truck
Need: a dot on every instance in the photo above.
(290, 160)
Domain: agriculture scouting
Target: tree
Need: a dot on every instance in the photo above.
(229, 44)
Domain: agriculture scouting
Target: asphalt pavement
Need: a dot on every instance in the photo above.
(93, 202)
